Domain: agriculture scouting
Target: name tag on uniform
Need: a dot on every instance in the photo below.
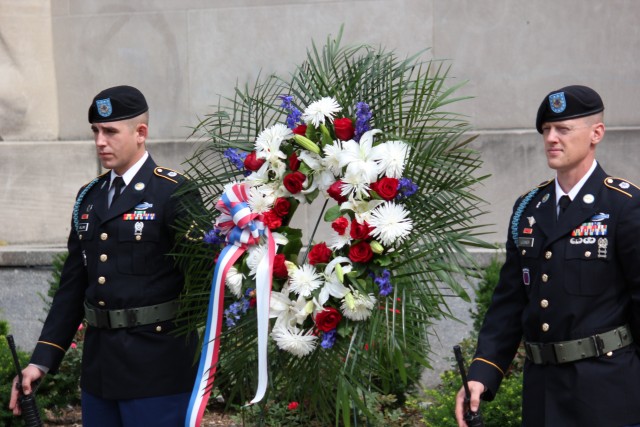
(525, 242)
(83, 226)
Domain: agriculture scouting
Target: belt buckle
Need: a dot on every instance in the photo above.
(598, 344)
(102, 318)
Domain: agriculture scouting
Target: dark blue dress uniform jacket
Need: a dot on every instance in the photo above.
(557, 289)
(112, 268)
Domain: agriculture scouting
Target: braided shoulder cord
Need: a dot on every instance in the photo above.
(515, 223)
(76, 207)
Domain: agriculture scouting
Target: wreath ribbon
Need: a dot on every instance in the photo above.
(244, 228)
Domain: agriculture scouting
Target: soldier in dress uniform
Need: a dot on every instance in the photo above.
(120, 278)
(570, 285)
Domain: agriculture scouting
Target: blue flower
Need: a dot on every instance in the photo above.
(213, 237)
(236, 157)
(294, 116)
(363, 115)
(406, 188)
(329, 339)
(384, 283)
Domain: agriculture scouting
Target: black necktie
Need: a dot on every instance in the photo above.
(564, 203)
(118, 185)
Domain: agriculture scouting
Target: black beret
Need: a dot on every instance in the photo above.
(567, 103)
(117, 103)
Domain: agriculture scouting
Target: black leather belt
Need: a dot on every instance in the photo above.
(583, 348)
(129, 317)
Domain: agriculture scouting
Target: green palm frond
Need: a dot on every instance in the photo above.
(412, 100)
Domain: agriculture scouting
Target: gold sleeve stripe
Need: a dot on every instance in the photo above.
(479, 359)
(53, 345)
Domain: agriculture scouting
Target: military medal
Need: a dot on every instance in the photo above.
(603, 242)
(138, 229)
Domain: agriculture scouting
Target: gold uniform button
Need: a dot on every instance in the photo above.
(524, 252)
(104, 236)
(587, 254)
(544, 303)
(548, 254)
(103, 257)
(102, 280)
(80, 236)
(101, 303)
(138, 237)
(545, 278)
(158, 328)
(545, 327)
(610, 353)
(609, 181)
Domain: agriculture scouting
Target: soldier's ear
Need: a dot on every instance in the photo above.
(597, 133)
(142, 130)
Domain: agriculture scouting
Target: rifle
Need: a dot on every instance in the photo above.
(473, 419)
(27, 402)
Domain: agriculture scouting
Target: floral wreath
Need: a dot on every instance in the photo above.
(325, 300)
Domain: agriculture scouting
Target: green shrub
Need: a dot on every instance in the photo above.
(484, 292)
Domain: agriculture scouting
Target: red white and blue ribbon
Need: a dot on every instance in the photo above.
(244, 228)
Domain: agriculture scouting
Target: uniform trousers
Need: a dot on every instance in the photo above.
(162, 411)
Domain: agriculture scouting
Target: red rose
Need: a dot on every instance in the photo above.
(360, 252)
(300, 130)
(359, 231)
(292, 406)
(281, 207)
(328, 319)
(340, 225)
(294, 162)
(319, 254)
(271, 220)
(343, 128)
(387, 188)
(334, 192)
(279, 268)
(293, 181)
(252, 163)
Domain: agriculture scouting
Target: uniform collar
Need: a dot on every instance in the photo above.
(576, 188)
(132, 171)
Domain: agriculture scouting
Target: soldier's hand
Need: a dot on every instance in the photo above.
(476, 389)
(30, 374)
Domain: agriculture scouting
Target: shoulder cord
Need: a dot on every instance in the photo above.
(76, 207)
(515, 223)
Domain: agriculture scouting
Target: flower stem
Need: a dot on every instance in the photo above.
(324, 206)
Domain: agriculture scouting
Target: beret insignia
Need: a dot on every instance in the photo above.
(557, 102)
(104, 107)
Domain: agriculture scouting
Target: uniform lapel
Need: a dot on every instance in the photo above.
(100, 198)
(544, 211)
(133, 192)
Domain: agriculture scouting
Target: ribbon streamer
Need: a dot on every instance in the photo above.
(244, 228)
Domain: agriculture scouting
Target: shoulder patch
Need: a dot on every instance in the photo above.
(621, 185)
(168, 174)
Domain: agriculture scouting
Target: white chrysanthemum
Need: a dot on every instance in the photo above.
(355, 183)
(294, 340)
(317, 111)
(260, 201)
(390, 222)
(357, 306)
(331, 160)
(234, 281)
(255, 255)
(269, 141)
(304, 280)
(391, 157)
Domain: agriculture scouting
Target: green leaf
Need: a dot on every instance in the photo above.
(332, 213)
